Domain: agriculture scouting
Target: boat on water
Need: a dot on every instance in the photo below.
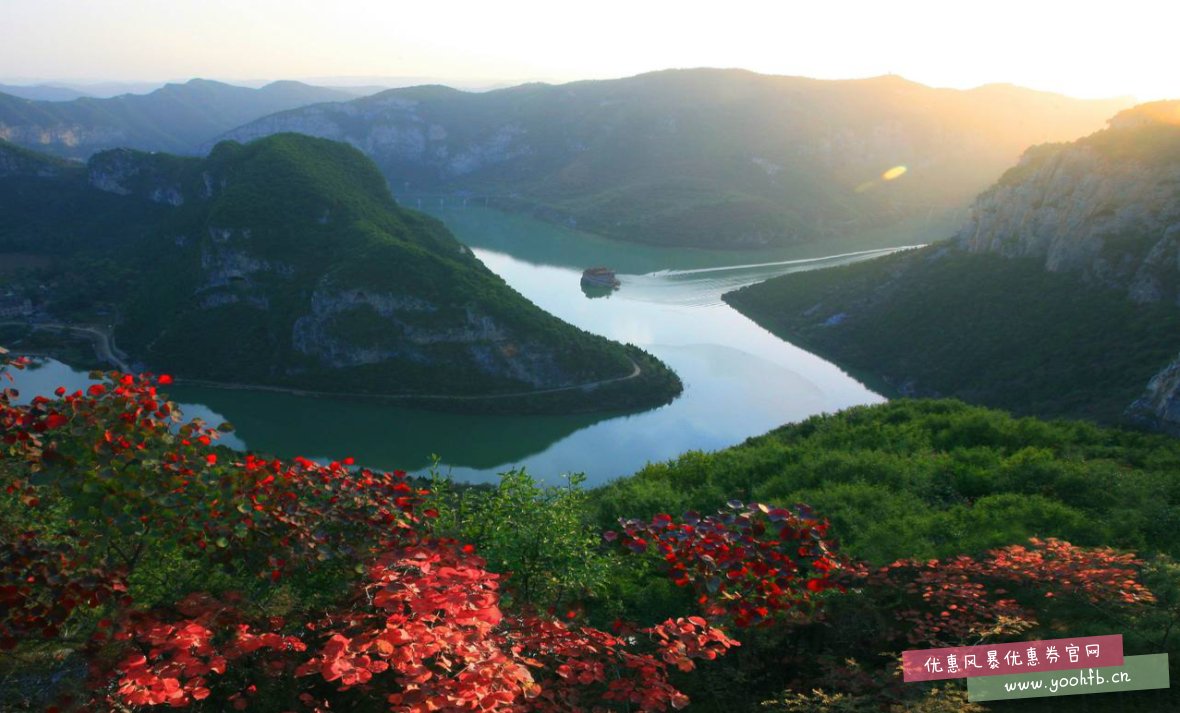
(600, 277)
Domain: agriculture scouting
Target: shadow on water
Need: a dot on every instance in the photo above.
(377, 435)
(385, 436)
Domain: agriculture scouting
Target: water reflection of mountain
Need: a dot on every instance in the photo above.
(539, 243)
(381, 435)
(377, 435)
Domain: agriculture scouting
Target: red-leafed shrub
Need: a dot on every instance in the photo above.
(190, 576)
(964, 599)
(748, 562)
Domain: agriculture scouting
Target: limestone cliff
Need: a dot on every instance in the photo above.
(1159, 407)
(1107, 206)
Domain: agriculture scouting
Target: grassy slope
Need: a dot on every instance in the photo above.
(934, 478)
(985, 329)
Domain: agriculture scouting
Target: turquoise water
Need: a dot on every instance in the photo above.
(740, 380)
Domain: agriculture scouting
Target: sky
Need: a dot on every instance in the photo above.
(1083, 48)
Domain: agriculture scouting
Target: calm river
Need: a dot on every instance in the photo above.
(740, 381)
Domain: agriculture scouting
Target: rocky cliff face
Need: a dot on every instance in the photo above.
(397, 132)
(410, 328)
(126, 172)
(1103, 206)
(1159, 406)
(75, 140)
(1107, 207)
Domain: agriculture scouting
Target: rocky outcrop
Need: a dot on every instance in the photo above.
(404, 327)
(1159, 406)
(1106, 207)
(394, 132)
(1088, 207)
(224, 266)
(126, 172)
(72, 139)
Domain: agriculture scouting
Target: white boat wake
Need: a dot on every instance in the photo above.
(703, 287)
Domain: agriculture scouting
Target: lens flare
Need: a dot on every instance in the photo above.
(895, 172)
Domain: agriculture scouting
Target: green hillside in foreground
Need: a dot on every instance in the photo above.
(934, 478)
(286, 262)
(120, 553)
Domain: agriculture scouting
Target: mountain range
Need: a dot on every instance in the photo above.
(705, 157)
(42, 92)
(176, 118)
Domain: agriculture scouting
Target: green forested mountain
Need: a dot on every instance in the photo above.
(1058, 297)
(286, 262)
(178, 118)
(721, 158)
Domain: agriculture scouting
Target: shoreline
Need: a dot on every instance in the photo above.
(296, 391)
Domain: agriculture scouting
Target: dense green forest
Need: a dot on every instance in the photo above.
(287, 262)
(989, 330)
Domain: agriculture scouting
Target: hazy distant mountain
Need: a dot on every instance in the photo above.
(42, 92)
(108, 89)
(1059, 296)
(177, 118)
(287, 262)
(703, 157)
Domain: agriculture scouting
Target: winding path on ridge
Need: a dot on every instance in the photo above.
(636, 371)
(103, 342)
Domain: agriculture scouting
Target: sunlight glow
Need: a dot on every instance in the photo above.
(1049, 44)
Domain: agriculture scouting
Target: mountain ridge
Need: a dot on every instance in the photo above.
(702, 157)
(177, 117)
